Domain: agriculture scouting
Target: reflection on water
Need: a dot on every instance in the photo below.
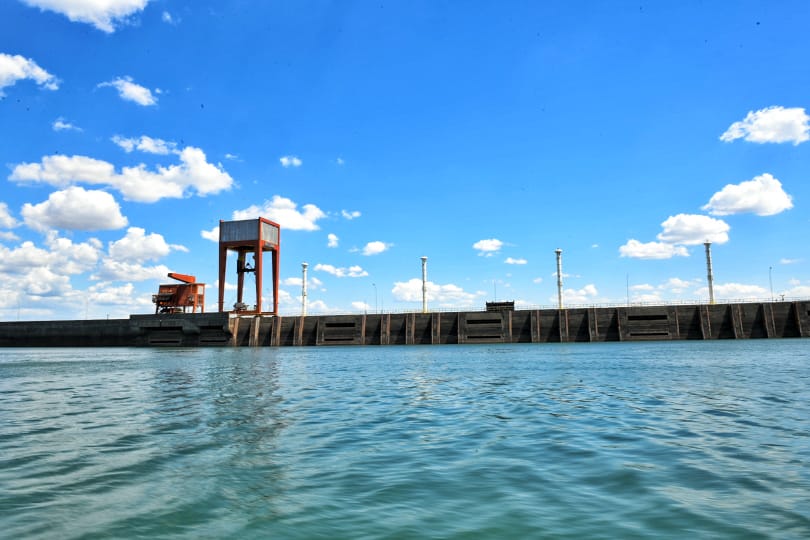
(567, 441)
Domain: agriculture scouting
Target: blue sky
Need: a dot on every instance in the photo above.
(482, 135)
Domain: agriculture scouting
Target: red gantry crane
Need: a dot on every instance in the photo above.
(176, 297)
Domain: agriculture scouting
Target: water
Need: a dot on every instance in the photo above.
(615, 440)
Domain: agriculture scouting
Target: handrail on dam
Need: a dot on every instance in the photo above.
(661, 322)
(522, 307)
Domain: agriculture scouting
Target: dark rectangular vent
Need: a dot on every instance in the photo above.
(647, 317)
(484, 321)
(340, 324)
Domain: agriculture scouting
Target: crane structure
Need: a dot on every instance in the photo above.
(177, 297)
(249, 236)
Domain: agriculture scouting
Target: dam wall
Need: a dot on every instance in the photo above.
(593, 324)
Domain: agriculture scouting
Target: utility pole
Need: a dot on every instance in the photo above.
(709, 273)
(424, 284)
(304, 289)
(558, 251)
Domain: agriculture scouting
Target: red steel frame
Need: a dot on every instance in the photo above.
(243, 247)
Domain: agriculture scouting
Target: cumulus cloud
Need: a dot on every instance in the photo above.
(146, 144)
(488, 247)
(332, 240)
(352, 271)
(585, 295)
(290, 161)
(448, 295)
(60, 124)
(137, 246)
(75, 209)
(193, 173)
(350, 215)
(131, 91)
(510, 260)
(15, 68)
(789, 261)
(284, 212)
(112, 270)
(212, 235)
(103, 14)
(361, 306)
(651, 250)
(375, 248)
(693, 229)
(762, 196)
(7, 221)
(735, 291)
(771, 125)
(61, 258)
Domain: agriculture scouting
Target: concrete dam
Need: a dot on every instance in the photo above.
(593, 324)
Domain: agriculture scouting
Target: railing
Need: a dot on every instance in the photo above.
(526, 307)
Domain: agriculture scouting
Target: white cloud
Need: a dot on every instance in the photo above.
(350, 215)
(61, 258)
(537, 280)
(352, 271)
(15, 68)
(735, 291)
(676, 285)
(131, 91)
(585, 295)
(361, 306)
(488, 247)
(375, 248)
(75, 209)
(137, 246)
(7, 221)
(642, 287)
(448, 295)
(771, 125)
(510, 260)
(284, 212)
(762, 196)
(146, 144)
(167, 17)
(135, 183)
(332, 240)
(692, 229)
(651, 250)
(789, 261)
(290, 161)
(60, 124)
(340, 161)
(212, 235)
(8, 236)
(103, 14)
(111, 270)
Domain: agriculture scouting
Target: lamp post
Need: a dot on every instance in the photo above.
(304, 289)
(424, 284)
(375, 296)
(709, 272)
(558, 251)
(770, 280)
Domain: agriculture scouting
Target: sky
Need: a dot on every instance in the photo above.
(481, 135)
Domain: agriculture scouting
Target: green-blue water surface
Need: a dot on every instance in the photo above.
(615, 440)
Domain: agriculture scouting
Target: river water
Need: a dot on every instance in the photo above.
(613, 440)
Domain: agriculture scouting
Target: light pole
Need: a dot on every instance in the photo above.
(304, 289)
(424, 284)
(770, 280)
(375, 296)
(558, 251)
(709, 272)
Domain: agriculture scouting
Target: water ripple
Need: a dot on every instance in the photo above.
(572, 441)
